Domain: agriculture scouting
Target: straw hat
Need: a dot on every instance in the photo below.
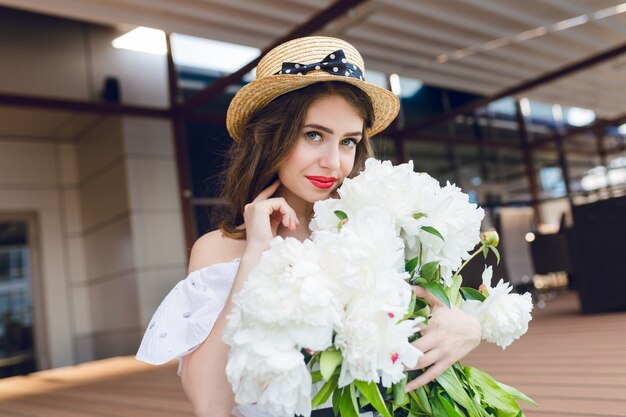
(301, 62)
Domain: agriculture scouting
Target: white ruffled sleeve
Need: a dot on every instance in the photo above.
(187, 314)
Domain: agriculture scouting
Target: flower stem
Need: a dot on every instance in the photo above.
(479, 250)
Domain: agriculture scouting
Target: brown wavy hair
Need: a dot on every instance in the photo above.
(269, 138)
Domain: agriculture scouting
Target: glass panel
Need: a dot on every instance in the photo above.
(16, 321)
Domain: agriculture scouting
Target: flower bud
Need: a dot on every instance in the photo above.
(490, 238)
(483, 290)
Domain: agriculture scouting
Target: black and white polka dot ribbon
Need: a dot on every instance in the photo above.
(335, 64)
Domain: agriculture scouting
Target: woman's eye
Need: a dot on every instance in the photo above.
(349, 142)
(313, 135)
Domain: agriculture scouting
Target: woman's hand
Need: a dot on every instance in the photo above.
(449, 336)
(263, 216)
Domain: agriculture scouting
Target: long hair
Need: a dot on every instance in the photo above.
(270, 136)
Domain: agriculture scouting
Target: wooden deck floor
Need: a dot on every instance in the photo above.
(572, 365)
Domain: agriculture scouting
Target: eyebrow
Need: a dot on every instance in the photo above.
(330, 131)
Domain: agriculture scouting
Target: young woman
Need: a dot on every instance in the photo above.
(300, 129)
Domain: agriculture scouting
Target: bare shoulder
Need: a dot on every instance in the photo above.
(212, 248)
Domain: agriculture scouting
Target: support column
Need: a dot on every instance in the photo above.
(182, 153)
(558, 139)
(450, 154)
(528, 162)
(602, 153)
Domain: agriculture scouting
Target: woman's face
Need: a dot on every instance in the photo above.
(324, 153)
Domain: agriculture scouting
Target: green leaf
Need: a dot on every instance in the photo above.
(371, 392)
(470, 293)
(343, 218)
(399, 394)
(423, 399)
(454, 388)
(485, 251)
(418, 216)
(414, 404)
(419, 304)
(438, 291)
(433, 231)
(347, 407)
(316, 376)
(448, 407)
(336, 400)
(364, 401)
(429, 270)
(329, 360)
(410, 265)
(493, 394)
(495, 252)
(415, 306)
(518, 395)
(322, 395)
(352, 391)
(453, 290)
(438, 410)
(413, 413)
(421, 281)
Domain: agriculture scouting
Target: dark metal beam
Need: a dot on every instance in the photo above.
(183, 165)
(83, 106)
(310, 26)
(602, 153)
(519, 88)
(558, 138)
(527, 152)
(465, 141)
(593, 127)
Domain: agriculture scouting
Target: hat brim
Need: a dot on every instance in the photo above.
(260, 92)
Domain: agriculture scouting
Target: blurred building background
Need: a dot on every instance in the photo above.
(112, 138)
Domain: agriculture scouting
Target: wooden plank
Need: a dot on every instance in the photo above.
(572, 365)
(105, 409)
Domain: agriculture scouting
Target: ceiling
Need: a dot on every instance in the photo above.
(478, 46)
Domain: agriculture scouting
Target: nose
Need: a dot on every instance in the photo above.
(330, 157)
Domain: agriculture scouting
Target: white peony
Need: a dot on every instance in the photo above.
(397, 189)
(406, 194)
(374, 344)
(367, 258)
(347, 281)
(458, 221)
(278, 381)
(285, 305)
(504, 317)
(290, 290)
(366, 255)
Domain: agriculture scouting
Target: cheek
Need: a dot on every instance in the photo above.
(296, 160)
(347, 163)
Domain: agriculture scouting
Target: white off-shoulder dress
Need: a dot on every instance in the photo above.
(186, 317)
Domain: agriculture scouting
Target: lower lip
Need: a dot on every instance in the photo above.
(324, 185)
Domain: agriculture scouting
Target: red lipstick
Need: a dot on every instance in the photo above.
(322, 182)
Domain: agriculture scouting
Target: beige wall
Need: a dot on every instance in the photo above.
(105, 195)
(110, 232)
(131, 231)
(32, 181)
(62, 58)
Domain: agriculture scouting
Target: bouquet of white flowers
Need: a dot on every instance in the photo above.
(338, 309)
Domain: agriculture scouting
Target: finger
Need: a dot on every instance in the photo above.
(422, 292)
(288, 220)
(428, 376)
(431, 357)
(425, 343)
(268, 192)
